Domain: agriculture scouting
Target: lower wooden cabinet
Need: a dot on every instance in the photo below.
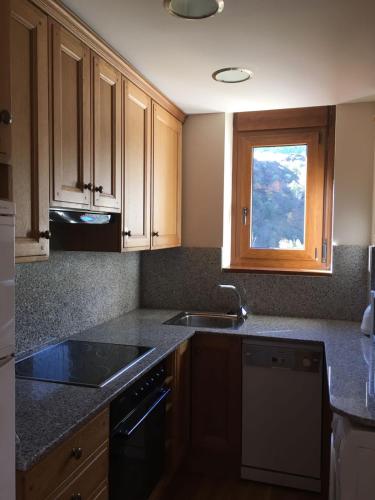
(79, 466)
(216, 403)
(178, 416)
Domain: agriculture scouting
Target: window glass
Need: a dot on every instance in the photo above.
(278, 197)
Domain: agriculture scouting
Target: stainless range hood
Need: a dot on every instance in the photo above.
(85, 231)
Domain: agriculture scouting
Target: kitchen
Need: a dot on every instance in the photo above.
(171, 339)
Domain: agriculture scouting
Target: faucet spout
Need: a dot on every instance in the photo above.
(241, 311)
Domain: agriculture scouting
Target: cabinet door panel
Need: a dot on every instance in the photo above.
(166, 196)
(30, 158)
(137, 168)
(107, 136)
(5, 130)
(216, 402)
(71, 119)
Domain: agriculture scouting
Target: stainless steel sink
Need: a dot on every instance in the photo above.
(206, 320)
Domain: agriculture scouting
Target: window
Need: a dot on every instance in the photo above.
(282, 190)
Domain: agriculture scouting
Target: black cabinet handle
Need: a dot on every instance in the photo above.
(45, 234)
(127, 233)
(88, 186)
(5, 117)
(99, 189)
(77, 453)
(155, 233)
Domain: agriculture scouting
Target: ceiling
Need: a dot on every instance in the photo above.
(302, 52)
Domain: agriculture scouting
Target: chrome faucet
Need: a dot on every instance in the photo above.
(241, 311)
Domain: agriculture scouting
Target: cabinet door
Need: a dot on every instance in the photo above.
(5, 129)
(70, 87)
(30, 154)
(107, 136)
(137, 168)
(216, 403)
(166, 192)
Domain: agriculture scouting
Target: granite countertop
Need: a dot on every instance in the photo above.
(47, 413)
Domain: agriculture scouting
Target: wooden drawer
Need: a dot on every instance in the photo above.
(61, 464)
(89, 482)
(102, 493)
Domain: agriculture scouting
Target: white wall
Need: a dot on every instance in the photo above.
(202, 180)
(205, 151)
(354, 165)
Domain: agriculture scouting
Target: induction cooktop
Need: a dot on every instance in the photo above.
(77, 362)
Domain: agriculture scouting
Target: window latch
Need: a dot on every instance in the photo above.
(245, 211)
(324, 251)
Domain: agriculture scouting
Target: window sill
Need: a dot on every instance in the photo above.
(261, 270)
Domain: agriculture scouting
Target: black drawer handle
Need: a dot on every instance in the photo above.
(45, 234)
(127, 233)
(99, 189)
(155, 233)
(88, 186)
(77, 453)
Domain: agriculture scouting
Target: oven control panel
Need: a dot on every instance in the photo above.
(124, 404)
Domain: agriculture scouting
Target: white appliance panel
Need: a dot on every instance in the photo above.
(353, 456)
(282, 408)
(7, 270)
(7, 430)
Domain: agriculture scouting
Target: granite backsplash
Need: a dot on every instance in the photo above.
(73, 291)
(185, 279)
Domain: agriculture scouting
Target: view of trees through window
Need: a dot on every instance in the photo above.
(278, 197)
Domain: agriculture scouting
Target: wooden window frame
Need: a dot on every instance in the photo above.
(316, 128)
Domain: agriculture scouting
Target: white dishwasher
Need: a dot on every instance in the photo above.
(282, 413)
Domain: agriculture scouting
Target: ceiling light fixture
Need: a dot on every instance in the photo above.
(232, 75)
(194, 9)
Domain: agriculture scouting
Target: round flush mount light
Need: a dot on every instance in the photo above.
(232, 75)
(194, 9)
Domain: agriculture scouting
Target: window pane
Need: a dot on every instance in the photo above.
(278, 197)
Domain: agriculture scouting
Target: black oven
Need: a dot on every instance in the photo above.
(137, 438)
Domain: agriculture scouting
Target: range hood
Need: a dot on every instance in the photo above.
(70, 217)
(85, 231)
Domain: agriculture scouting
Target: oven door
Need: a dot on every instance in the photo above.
(137, 449)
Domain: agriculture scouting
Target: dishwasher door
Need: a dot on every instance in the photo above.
(282, 413)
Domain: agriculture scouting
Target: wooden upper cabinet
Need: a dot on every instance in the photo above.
(106, 136)
(70, 97)
(166, 180)
(137, 168)
(5, 129)
(30, 147)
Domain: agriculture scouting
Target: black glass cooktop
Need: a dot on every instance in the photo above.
(76, 362)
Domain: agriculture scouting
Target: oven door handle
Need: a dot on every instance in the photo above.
(164, 393)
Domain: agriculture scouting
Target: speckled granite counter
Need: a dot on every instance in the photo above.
(47, 413)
